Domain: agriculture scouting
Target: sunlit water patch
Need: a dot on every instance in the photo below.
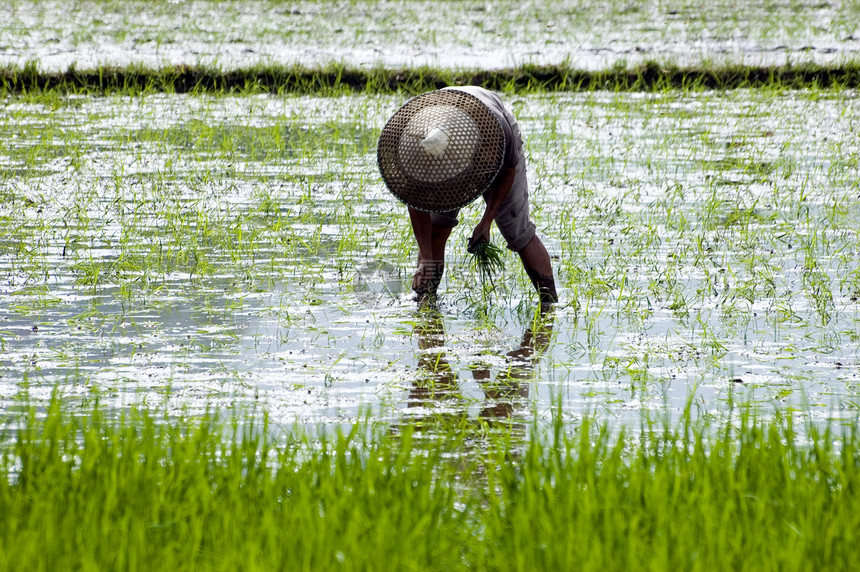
(207, 253)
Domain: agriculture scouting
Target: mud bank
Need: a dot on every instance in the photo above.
(649, 77)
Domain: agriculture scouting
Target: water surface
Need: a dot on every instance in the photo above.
(209, 253)
(464, 34)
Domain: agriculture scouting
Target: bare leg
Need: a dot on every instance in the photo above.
(431, 255)
(538, 266)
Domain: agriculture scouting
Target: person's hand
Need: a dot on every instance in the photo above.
(479, 235)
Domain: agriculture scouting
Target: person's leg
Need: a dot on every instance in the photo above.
(538, 266)
(519, 231)
(432, 263)
(427, 278)
(431, 233)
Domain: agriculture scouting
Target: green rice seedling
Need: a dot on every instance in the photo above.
(488, 259)
(144, 491)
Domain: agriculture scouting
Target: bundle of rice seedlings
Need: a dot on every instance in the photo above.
(487, 257)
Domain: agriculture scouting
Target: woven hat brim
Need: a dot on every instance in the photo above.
(431, 180)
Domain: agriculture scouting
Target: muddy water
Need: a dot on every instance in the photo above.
(483, 35)
(194, 253)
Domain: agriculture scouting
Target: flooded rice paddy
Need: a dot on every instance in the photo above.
(205, 253)
(472, 34)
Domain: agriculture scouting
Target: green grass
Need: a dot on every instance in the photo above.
(144, 492)
(337, 79)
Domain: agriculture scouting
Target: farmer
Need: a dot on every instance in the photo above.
(437, 154)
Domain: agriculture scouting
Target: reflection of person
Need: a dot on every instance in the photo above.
(512, 384)
(438, 381)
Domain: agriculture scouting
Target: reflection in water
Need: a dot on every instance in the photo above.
(437, 384)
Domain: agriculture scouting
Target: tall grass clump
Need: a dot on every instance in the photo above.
(136, 494)
(752, 499)
(148, 493)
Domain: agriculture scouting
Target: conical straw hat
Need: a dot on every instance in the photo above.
(441, 150)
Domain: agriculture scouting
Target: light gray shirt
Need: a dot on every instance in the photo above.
(513, 218)
(513, 139)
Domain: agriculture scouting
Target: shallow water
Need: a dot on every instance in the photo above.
(210, 253)
(471, 34)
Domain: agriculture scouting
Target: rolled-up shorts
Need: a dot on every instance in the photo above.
(512, 219)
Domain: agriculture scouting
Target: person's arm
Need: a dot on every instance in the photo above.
(495, 196)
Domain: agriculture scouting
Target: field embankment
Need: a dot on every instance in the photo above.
(337, 78)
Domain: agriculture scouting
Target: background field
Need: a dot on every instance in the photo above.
(448, 34)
